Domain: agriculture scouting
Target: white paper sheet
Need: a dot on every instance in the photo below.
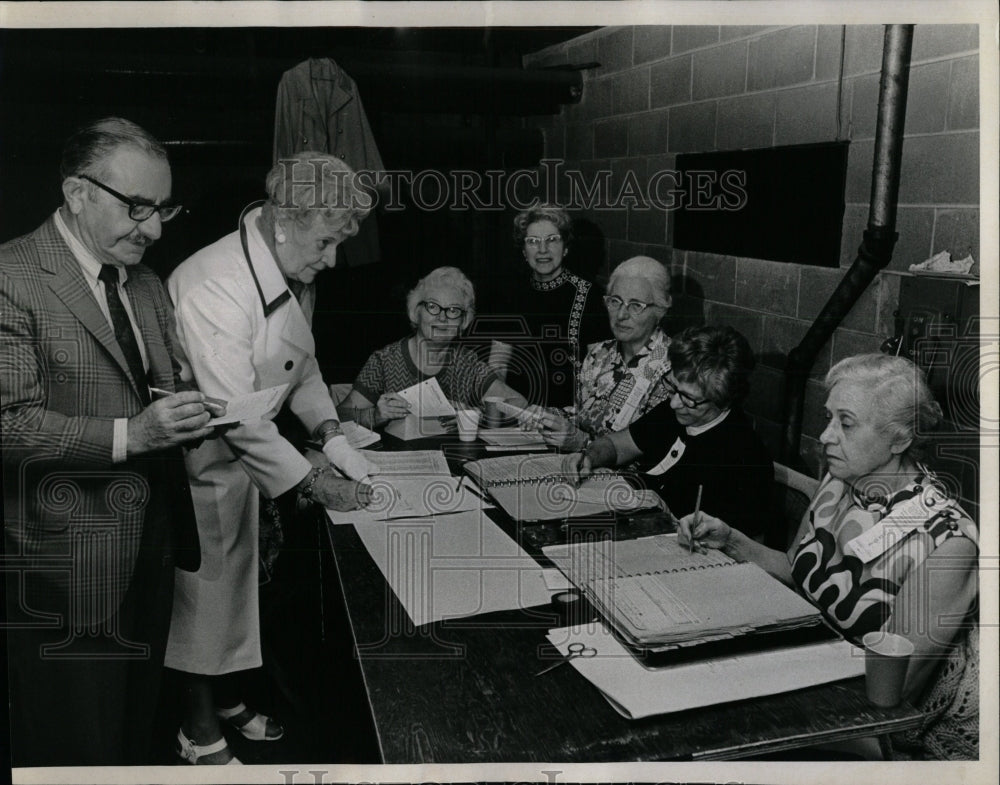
(427, 399)
(414, 497)
(358, 436)
(250, 407)
(453, 566)
(413, 462)
(635, 691)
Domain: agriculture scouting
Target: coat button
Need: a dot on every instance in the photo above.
(288, 365)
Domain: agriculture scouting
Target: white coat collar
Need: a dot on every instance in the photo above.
(267, 276)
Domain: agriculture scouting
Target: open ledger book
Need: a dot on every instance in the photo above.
(535, 488)
(656, 594)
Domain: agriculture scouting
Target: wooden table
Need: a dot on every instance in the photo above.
(464, 691)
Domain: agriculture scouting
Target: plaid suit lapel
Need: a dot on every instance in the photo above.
(69, 285)
(161, 371)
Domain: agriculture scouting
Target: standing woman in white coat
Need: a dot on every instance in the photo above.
(244, 309)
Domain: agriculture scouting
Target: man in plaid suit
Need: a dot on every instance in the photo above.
(95, 498)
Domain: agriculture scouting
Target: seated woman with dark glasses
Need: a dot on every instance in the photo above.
(699, 437)
(441, 306)
(624, 377)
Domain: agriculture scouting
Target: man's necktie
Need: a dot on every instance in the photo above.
(124, 333)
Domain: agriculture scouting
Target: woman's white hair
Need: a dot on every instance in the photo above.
(442, 276)
(900, 395)
(648, 269)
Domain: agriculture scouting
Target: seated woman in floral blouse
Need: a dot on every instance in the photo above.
(624, 377)
(883, 546)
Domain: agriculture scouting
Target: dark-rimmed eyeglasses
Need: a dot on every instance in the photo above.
(451, 311)
(551, 239)
(138, 211)
(686, 399)
(635, 307)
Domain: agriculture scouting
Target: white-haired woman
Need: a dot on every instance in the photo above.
(441, 306)
(624, 377)
(244, 306)
(921, 582)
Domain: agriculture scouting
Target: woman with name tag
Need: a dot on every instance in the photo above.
(700, 436)
(622, 378)
(883, 547)
(441, 307)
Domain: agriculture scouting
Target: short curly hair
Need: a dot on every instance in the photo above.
(719, 359)
(543, 212)
(901, 397)
(442, 276)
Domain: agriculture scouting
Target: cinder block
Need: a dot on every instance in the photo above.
(926, 99)
(714, 274)
(611, 138)
(963, 94)
(782, 334)
(647, 225)
(941, 169)
(579, 142)
(847, 343)
(732, 32)
(863, 51)
(613, 222)
(614, 50)
(957, 231)
(620, 250)
(864, 106)
(692, 127)
(829, 42)
(939, 40)
(772, 287)
(806, 114)
(719, 71)
(853, 225)
(649, 133)
(915, 226)
(782, 58)
(688, 37)
(650, 42)
(628, 181)
(597, 99)
(746, 122)
(670, 81)
(817, 284)
(750, 324)
(630, 91)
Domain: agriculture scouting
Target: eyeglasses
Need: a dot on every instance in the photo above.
(138, 211)
(686, 399)
(452, 311)
(635, 307)
(534, 242)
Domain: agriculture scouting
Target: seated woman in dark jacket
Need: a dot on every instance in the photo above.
(699, 436)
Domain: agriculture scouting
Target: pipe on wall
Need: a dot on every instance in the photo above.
(878, 239)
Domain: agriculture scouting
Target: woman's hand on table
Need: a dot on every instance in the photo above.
(391, 406)
(703, 531)
(336, 493)
(577, 467)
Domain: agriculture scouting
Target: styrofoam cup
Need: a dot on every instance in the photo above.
(468, 424)
(887, 656)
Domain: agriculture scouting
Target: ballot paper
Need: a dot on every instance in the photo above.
(358, 436)
(513, 438)
(453, 566)
(410, 462)
(414, 497)
(427, 399)
(250, 407)
(636, 692)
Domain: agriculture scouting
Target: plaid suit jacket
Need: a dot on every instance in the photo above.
(73, 520)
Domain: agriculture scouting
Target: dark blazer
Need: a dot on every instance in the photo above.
(73, 520)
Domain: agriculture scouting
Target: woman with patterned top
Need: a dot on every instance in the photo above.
(883, 547)
(624, 377)
(558, 313)
(441, 306)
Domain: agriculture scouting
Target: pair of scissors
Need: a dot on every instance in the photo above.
(575, 650)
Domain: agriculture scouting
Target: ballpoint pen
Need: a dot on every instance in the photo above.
(694, 522)
(160, 393)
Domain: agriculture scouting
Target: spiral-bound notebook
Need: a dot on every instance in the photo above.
(536, 488)
(655, 593)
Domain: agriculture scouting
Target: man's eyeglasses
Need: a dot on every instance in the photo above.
(635, 307)
(452, 311)
(138, 211)
(686, 399)
(534, 242)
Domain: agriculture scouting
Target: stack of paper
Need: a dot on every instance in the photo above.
(637, 692)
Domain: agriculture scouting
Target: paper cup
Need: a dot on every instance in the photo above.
(468, 424)
(887, 657)
(492, 416)
(499, 359)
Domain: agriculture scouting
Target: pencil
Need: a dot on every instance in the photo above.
(697, 510)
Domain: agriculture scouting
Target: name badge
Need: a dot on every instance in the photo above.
(673, 455)
(897, 525)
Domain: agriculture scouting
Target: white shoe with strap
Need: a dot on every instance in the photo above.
(192, 752)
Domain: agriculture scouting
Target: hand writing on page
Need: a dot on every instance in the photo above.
(702, 531)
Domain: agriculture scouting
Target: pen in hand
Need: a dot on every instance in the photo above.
(694, 521)
(216, 406)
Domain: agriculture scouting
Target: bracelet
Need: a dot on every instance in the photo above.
(306, 491)
(327, 430)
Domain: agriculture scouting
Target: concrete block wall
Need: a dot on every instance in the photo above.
(663, 90)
